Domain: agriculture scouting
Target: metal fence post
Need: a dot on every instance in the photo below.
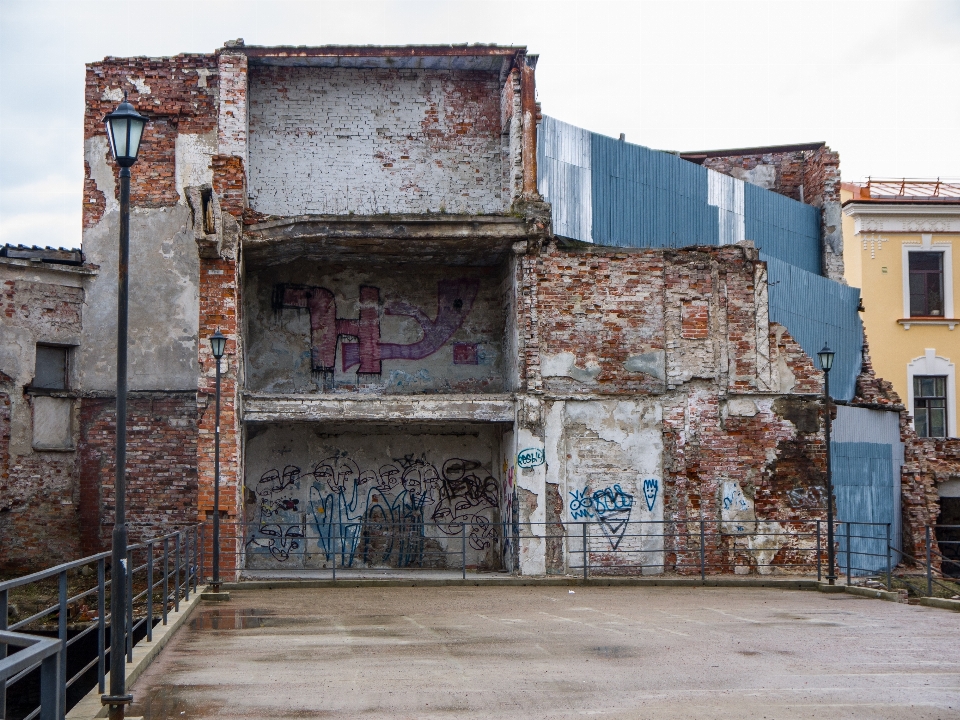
(463, 549)
(62, 636)
(176, 573)
(703, 574)
(889, 560)
(52, 696)
(929, 567)
(203, 554)
(333, 546)
(129, 627)
(186, 563)
(149, 592)
(166, 576)
(819, 559)
(4, 609)
(847, 528)
(585, 555)
(101, 625)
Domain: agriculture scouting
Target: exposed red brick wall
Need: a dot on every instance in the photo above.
(219, 310)
(229, 182)
(161, 465)
(180, 100)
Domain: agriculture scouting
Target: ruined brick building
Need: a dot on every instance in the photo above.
(427, 331)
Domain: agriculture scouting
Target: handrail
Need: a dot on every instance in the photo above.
(184, 571)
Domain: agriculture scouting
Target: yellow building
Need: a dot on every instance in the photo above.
(901, 243)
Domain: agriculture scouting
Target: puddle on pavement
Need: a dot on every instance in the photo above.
(224, 619)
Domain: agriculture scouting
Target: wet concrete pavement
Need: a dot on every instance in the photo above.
(543, 652)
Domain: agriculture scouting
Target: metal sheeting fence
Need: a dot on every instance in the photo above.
(161, 571)
(815, 311)
(610, 192)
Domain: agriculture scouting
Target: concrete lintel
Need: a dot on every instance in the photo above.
(406, 408)
(144, 653)
(449, 239)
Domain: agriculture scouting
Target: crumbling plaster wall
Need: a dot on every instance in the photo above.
(180, 97)
(664, 390)
(39, 492)
(370, 141)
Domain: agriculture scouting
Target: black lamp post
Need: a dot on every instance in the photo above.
(826, 363)
(124, 130)
(218, 344)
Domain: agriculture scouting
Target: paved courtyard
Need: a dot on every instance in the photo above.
(544, 652)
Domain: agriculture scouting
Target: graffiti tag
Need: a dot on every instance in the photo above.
(531, 457)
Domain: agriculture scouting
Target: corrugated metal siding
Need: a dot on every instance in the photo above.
(783, 228)
(866, 458)
(816, 310)
(616, 193)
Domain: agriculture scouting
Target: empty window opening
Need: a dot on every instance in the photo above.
(930, 405)
(926, 284)
(206, 198)
(51, 369)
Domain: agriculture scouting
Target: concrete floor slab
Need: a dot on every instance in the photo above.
(547, 652)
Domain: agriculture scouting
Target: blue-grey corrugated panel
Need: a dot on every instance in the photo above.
(783, 228)
(863, 481)
(816, 310)
(854, 429)
(625, 195)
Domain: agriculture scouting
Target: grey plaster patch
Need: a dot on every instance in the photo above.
(164, 302)
(52, 426)
(565, 365)
(652, 363)
(741, 407)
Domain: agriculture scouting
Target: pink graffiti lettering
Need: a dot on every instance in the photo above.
(455, 299)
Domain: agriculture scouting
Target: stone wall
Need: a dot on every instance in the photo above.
(370, 141)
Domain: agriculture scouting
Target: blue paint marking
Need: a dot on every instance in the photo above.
(650, 488)
(531, 457)
(581, 504)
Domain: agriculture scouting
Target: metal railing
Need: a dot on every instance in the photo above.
(583, 547)
(160, 571)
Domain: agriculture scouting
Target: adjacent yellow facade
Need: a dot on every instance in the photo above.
(912, 330)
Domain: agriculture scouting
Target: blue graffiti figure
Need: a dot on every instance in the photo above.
(581, 504)
(420, 480)
(650, 488)
(333, 499)
(613, 507)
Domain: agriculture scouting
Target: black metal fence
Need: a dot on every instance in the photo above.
(585, 547)
(161, 571)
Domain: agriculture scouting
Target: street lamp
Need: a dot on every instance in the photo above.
(218, 344)
(826, 363)
(124, 130)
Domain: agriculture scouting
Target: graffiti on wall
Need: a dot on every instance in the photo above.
(385, 516)
(359, 338)
(611, 507)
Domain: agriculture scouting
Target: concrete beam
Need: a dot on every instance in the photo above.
(326, 408)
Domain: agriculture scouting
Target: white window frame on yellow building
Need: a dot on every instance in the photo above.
(927, 244)
(932, 364)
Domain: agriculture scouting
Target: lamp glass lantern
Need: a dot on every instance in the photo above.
(826, 358)
(125, 129)
(218, 343)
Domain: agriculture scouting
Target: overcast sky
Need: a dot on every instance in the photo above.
(877, 80)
